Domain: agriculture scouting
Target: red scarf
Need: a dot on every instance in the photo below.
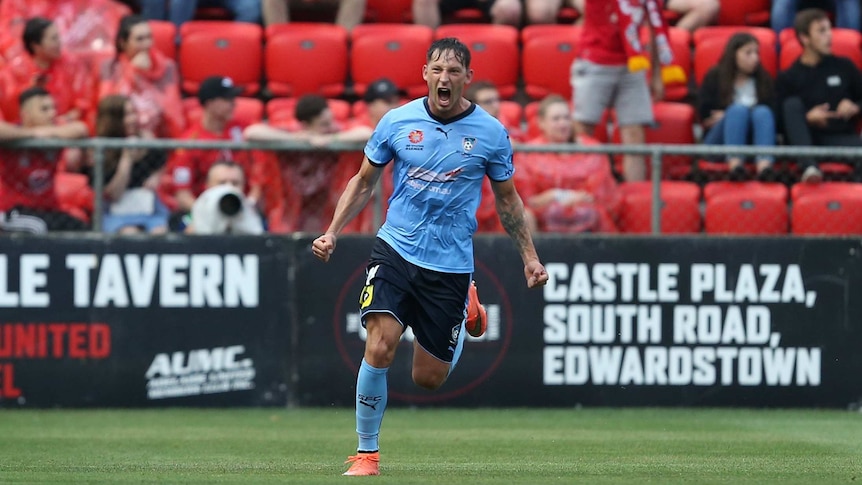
(630, 15)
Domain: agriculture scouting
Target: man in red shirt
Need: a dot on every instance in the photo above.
(604, 76)
(27, 199)
(188, 168)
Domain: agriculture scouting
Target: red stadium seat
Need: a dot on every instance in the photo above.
(74, 194)
(715, 189)
(745, 208)
(389, 11)
(303, 58)
(281, 112)
(680, 44)
(164, 37)
(395, 51)
(547, 55)
(709, 44)
(247, 110)
(680, 207)
(494, 52)
(674, 124)
(744, 12)
(511, 113)
(232, 49)
(826, 208)
(845, 42)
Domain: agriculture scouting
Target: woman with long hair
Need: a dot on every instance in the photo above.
(46, 64)
(736, 102)
(131, 175)
(149, 78)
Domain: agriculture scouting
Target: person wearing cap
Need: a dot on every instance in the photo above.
(380, 96)
(188, 167)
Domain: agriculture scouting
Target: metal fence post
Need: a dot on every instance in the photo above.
(98, 185)
(655, 177)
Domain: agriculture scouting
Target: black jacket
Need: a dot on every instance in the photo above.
(833, 79)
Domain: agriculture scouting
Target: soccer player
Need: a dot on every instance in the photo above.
(420, 270)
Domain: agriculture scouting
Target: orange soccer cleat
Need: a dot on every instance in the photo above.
(364, 464)
(477, 318)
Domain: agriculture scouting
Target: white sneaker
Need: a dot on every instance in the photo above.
(812, 175)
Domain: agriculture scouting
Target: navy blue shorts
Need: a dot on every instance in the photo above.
(432, 303)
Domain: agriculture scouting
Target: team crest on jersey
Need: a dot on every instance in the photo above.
(416, 136)
(468, 142)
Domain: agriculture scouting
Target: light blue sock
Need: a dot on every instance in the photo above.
(459, 347)
(371, 393)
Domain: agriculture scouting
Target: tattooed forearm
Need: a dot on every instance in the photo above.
(511, 212)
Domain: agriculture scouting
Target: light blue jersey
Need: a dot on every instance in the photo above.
(438, 173)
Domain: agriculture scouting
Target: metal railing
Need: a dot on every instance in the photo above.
(655, 151)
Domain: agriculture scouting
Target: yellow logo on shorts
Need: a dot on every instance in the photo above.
(366, 296)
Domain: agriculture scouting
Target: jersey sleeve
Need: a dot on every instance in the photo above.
(379, 147)
(182, 169)
(500, 167)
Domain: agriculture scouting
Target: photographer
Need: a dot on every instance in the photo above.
(222, 208)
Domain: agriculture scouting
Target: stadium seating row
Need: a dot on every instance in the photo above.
(748, 208)
(300, 58)
(745, 208)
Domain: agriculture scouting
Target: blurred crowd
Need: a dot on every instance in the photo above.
(78, 68)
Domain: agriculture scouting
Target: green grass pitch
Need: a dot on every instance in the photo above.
(433, 446)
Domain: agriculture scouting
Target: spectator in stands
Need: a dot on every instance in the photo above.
(694, 13)
(565, 192)
(820, 94)
(432, 12)
(181, 11)
(349, 13)
(27, 199)
(380, 96)
(147, 77)
(736, 102)
(131, 175)
(546, 11)
(610, 73)
(86, 27)
(847, 14)
(69, 80)
(223, 208)
(188, 168)
(307, 176)
(486, 95)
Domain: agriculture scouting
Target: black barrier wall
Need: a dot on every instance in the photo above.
(623, 321)
(258, 321)
(143, 322)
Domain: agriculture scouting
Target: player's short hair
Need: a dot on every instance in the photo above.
(31, 93)
(461, 51)
(309, 107)
(34, 31)
(803, 20)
